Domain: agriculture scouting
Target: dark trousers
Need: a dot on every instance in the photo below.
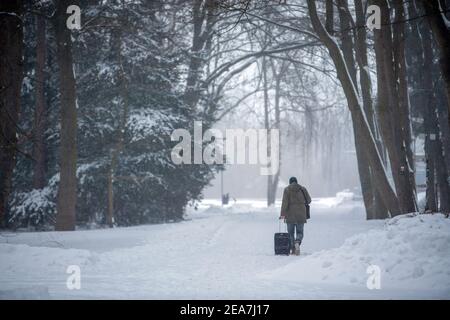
(292, 227)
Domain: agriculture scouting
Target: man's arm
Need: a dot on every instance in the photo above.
(284, 204)
(307, 196)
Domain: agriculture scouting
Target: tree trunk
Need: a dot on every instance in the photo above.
(425, 57)
(392, 124)
(436, 166)
(203, 14)
(441, 34)
(443, 125)
(422, 35)
(67, 190)
(364, 174)
(361, 58)
(389, 113)
(272, 191)
(368, 141)
(329, 24)
(347, 40)
(363, 165)
(437, 174)
(40, 117)
(378, 210)
(267, 126)
(191, 93)
(402, 76)
(442, 178)
(119, 146)
(430, 158)
(11, 76)
(404, 105)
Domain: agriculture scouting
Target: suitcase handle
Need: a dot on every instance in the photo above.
(279, 225)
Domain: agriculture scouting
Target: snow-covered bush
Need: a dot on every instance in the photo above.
(36, 208)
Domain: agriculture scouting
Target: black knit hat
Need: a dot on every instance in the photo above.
(292, 180)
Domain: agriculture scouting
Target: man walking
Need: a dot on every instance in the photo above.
(293, 210)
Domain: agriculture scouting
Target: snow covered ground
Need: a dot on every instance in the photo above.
(227, 253)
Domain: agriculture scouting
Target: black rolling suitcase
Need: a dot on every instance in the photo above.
(281, 241)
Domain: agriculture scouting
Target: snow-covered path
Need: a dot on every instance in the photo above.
(216, 254)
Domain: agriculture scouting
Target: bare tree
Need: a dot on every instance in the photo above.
(11, 76)
(278, 70)
(203, 21)
(67, 190)
(378, 209)
(441, 33)
(437, 173)
(348, 47)
(356, 109)
(329, 24)
(39, 178)
(390, 111)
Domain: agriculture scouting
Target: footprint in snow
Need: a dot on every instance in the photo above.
(418, 272)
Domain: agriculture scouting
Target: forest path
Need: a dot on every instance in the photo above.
(216, 253)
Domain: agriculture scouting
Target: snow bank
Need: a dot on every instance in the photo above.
(341, 198)
(412, 251)
(213, 207)
(34, 292)
(17, 258)
(27, 272)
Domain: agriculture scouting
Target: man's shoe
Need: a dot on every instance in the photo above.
(297, 249)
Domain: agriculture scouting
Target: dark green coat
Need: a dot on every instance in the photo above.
(293, 206)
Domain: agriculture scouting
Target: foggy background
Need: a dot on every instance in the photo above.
(317, 147)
